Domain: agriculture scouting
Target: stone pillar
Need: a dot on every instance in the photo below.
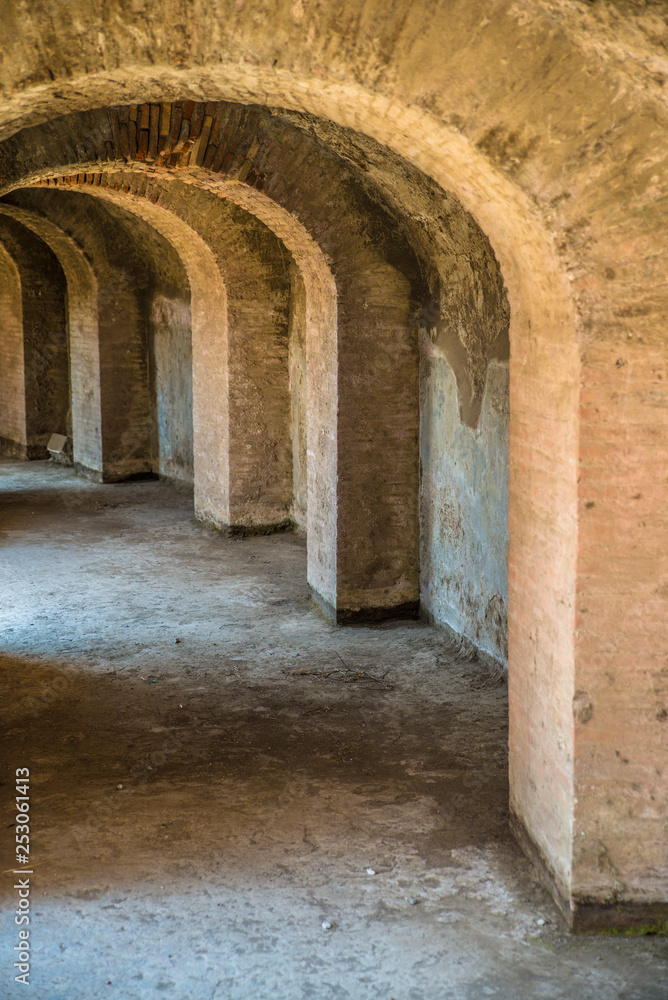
(13, 439)
(239, 308)
(107, 337)
(620, 690)
(83, 338)
(43, 356)
(377, 454)
(363, 529)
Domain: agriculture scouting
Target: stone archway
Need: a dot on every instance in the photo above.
(570, 253)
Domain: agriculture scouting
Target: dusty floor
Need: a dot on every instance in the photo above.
(217, 772)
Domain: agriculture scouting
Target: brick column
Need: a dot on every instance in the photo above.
(44, 375)
(110, 429)
(13, 439)
(241, 401)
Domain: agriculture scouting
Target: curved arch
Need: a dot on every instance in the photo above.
(539, 164)
(83, 336)
(44, 354)
(213, 477)
(542, 501)
(320, 323)
(210, 358)
(376, 271)
(543, 478)
(378, 278)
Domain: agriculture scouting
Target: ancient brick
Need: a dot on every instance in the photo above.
(116, 133)
(153, 131)
(125, 142)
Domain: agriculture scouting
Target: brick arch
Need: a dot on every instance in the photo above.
(237, 360)
(555, 154)
(235, 489)
(541, 556)
(380, 289)
(109, 363)
(292, 157)
(369, 213)
(219, 477)
(35, 404)
(168, 212)
(83, 327)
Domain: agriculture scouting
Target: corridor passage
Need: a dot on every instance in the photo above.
(234, 799)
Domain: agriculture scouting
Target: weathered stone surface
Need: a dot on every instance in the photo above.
(544, 120)
(35, 383)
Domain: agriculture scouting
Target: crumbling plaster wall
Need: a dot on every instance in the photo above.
(464, 506)
(171, 377)
(464, 334)
(169, 329)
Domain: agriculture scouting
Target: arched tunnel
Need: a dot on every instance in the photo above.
(333, 632)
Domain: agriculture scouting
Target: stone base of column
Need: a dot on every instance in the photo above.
(105, 476)
(630, 919)
(409, 610)
(588, 916)
(22, 452)
(247, 530)
(541, 865)
(13, 449)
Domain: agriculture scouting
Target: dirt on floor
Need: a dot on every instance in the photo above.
(233, 799)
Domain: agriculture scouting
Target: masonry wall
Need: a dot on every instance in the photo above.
(46, 390)
(12, 387)
(47, 383)
(547, 121)
(464, 506)
(297, 364)
(122, 280)
(170, 345)
(169, 341)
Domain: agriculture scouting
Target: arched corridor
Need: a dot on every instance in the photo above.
(378, 294)
(219, 772)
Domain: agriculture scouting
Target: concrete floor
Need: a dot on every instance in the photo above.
(233, 799)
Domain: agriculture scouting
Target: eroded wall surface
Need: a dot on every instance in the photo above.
(464, 506)
(170, 344)
(169, 328)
